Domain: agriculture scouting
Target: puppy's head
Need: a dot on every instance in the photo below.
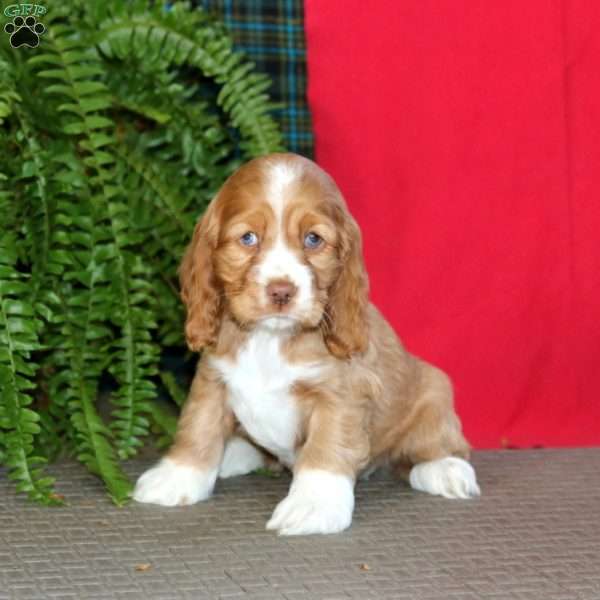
(277, 249)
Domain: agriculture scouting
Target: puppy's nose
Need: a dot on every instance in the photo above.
(281, 292)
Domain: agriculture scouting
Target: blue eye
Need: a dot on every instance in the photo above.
(249, 239)
(312, 240)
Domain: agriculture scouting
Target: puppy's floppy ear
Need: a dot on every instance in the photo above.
(346, 329)
(199, 288)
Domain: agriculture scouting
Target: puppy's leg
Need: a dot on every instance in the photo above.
(240, 457)
(188, 471)
(432, 451)
(321, 497)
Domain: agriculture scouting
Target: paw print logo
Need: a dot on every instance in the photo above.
(24, 32)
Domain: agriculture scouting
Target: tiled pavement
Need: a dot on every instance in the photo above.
(533, 535)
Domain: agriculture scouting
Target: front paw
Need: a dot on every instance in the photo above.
(170, 484)
(318, 502)
(240, 457)
(450, 477)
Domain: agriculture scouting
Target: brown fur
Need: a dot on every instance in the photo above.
(376, 403)
(205, 423)
(199, 289)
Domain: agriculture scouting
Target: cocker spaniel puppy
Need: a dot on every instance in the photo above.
(296, 364)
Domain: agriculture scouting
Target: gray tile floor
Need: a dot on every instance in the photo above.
(534, 534)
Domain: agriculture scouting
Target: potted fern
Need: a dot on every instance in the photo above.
(115, 133)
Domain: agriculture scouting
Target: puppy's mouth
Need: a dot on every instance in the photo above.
(278, 322)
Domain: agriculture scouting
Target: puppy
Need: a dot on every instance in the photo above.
(296, 363)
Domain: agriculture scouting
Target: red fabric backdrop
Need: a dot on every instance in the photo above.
(465, 136)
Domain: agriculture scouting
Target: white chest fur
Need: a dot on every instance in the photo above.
(259, 383)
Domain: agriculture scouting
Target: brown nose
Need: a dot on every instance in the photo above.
(281, 292)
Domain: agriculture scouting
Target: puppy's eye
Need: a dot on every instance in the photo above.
(312, 240)
(249, 239)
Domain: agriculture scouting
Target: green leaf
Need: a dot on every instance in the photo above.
(97, 122)
(85, 88)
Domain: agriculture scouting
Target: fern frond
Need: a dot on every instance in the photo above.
(19, 329)
(196, 139)
(165, 229)
(134, 357)
(182, 37)
(91, 228)
(176, 393)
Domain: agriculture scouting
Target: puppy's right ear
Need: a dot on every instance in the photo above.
(199, 289)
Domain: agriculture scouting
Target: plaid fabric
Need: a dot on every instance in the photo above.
(271, 34)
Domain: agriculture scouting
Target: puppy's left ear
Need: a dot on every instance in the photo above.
(346, 329)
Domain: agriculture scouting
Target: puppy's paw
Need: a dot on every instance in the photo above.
(318, 502)
(170, 484)
(240, 457)
(450, 477)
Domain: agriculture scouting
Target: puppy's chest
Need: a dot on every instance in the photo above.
(259, 383)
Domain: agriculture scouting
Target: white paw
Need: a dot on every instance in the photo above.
(170, 484)
(450, 477)
(240, 457)
(318, 502)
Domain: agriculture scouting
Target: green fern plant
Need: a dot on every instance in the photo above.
(114, 135)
